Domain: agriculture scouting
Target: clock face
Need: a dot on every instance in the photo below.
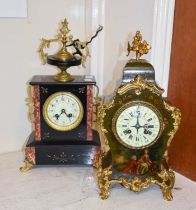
(63, 111)
(137, 125)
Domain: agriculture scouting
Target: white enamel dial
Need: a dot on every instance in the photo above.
(137, 125)
(63, 111)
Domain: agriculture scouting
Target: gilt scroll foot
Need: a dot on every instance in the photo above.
(167, 184)
(27, 166)
(167, 193)
(104, 182)
(104, 194)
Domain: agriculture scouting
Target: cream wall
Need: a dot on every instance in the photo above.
(122, 19)
(20, 39)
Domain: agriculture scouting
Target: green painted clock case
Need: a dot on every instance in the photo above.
(112, 164)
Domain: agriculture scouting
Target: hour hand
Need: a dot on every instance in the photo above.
(69, 115)
(56, 116)
(128, 131)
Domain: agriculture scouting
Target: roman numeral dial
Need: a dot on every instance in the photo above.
(137, 124)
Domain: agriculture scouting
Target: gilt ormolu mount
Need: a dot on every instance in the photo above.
(138, 66)
(64, 58)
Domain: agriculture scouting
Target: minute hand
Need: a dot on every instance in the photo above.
(64, 112)
(137, 126)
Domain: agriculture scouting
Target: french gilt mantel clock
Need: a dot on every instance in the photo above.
(138, 126)
(62, 107)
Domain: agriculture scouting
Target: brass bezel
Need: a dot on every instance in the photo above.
(58, 127)
(133, 103)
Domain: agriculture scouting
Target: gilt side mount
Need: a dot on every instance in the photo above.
(73, 52)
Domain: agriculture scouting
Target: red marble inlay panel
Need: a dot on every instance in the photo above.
(30, 154)
(36, 100)
(89, 112)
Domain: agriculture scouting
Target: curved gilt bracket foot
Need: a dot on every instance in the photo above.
(27, 166)
(167, 194)
(103, 177)
(104, 182)
(167, 184)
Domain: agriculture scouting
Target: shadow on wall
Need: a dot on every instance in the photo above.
(118, 68)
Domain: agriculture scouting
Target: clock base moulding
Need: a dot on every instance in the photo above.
(61, 153)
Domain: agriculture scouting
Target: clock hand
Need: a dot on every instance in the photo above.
(69, 115)
(138, 126)
(128, 131)
(146, 126)
(57, 116)
(64, 112)
(138, 115)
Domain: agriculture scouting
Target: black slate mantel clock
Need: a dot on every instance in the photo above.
(138, 126)
(63, 108)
